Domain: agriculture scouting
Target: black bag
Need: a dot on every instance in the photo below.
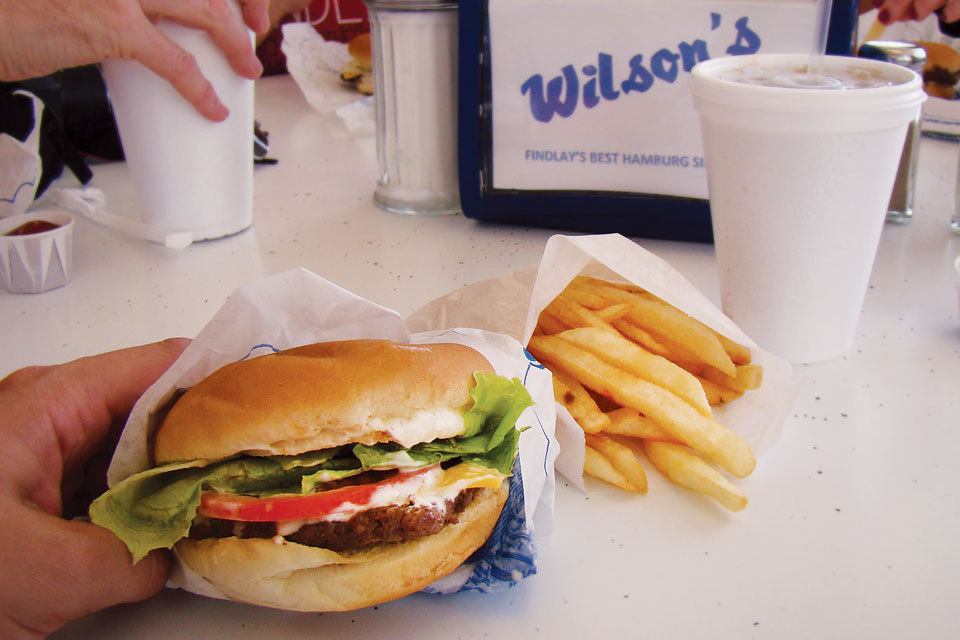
(77, 121)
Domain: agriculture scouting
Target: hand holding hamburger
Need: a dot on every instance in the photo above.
(327, 477)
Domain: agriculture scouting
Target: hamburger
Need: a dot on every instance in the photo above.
(941, 72)
(358, 70)
(327, 477)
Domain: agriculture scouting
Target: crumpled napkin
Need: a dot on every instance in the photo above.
(315, 64)
(20, 166)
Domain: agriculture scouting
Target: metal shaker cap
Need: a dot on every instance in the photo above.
(411, 5)
(905, 54)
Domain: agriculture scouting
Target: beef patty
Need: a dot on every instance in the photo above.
(378, 525)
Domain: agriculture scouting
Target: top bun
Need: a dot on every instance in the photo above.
(320, 396)
(359, 49)
(941, 55)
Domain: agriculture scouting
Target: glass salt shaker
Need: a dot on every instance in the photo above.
(955, 220)
(414, 47)
(912, 56)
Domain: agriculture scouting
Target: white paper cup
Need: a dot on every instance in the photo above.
(191, 174)
(36, 262)
(799, 181)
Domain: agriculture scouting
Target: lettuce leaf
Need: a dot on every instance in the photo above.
(154, 509)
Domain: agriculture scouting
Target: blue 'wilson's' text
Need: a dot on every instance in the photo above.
(561, 95)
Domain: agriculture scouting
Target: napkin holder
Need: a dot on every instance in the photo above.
(598, 157)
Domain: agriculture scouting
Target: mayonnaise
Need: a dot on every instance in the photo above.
(423, 426)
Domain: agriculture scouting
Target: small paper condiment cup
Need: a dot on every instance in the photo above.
(36, 262)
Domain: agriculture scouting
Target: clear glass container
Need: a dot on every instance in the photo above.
(955, 220)
(913, 57)
(414, 48)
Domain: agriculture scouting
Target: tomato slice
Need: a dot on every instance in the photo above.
(278, 508)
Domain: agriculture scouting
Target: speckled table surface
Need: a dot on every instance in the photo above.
(853, 521)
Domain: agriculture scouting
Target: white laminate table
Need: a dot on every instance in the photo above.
(853, 529)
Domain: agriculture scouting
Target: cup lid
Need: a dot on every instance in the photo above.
(711, 81)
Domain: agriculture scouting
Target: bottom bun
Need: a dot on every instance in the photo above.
(287, 575)
(940, 90)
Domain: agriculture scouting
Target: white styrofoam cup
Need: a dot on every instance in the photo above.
(799, 180)
(191, 174)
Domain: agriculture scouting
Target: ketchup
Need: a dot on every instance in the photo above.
(32, 227)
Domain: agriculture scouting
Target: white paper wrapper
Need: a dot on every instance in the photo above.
(315, 66)
(512, 303)
(298, 307)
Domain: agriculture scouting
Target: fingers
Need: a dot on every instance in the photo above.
(893, 10)
(102, 389)
(58, 415)
(951, 11)
(921, 9)
(178, 67)
(123, 375)
(62, 570)
(101, 562)
(256, 15)
(897, 10)
(223, 23)
(226, 28)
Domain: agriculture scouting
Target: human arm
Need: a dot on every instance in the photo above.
(40, 37)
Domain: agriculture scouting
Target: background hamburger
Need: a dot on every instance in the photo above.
(327, 477)
(941, 72)
(358, 71)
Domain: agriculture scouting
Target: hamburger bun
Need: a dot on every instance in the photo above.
(941, 71)
(287, 575)
(359, 49)
(320, 396)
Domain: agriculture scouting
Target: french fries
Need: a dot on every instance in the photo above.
(623, 354)
(692, 339)
(599, 466)
(688, 470)
(675, 415)
(629, 422)
(622, 458)
(746, 377)
(641, 377)
(568, 391)
(574, 314)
